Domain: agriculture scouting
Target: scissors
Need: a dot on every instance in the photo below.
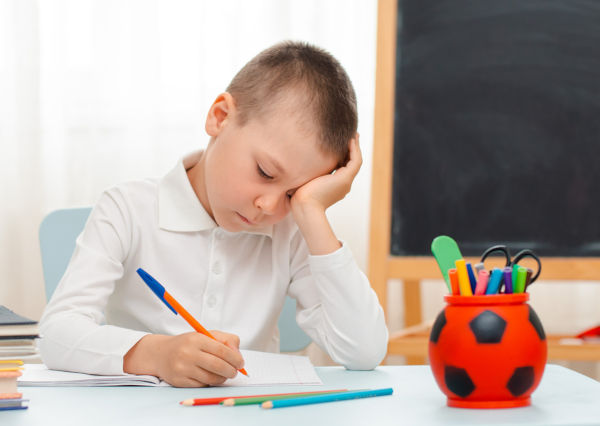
(515, 260)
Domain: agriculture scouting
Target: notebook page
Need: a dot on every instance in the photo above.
(263, 368)
(266, 368)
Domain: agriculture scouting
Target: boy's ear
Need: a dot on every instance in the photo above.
(219, 113)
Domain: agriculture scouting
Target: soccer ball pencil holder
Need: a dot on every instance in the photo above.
(488, 351)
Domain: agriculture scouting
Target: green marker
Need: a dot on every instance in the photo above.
(515, 270)
(446, 252)
(519, 286)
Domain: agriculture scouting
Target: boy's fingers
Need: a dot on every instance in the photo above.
(355, 160)
(212, 369)
(224, 352)
(229, 339)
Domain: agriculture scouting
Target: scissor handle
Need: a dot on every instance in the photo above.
(524, 253)
(493, 249)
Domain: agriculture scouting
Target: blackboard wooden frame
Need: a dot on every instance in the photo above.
(413, 269)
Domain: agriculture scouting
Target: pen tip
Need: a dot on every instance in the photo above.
(243, 371)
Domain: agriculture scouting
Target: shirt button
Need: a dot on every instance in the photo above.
(212, 301)
(217, 268)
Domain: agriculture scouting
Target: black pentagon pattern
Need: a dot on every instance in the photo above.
(520, 381)
(438, 325)
(458, 381)
(488, 327)
(537, 324)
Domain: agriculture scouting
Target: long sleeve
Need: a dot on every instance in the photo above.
(338, 308)
(74, 334)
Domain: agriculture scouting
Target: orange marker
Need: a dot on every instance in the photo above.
(173, 305)
(453, 275)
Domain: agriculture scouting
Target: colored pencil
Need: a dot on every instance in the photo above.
(219, 399)
(326, 398)
(249, 400)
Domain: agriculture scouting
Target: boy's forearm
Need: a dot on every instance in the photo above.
(316, 230)
(143, 357)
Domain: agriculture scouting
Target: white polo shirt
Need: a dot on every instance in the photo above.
(233, 282)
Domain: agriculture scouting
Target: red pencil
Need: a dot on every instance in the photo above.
(217, 400)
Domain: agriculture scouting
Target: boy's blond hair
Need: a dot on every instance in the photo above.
(293, 65)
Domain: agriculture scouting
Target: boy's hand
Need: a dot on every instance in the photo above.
(324, 191)
(309, 202)
(187, 360)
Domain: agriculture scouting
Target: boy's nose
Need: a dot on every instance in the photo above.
(269, 204)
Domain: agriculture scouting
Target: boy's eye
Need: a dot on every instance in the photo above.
(262, 173)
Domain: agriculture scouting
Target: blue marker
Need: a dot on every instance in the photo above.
(494, 282)
(508, 287)
(472, 279)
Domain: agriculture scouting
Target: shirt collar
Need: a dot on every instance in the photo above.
(179, 208)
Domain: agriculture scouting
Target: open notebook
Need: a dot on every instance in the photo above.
(263, 369)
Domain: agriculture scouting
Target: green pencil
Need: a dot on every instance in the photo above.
(230, 402)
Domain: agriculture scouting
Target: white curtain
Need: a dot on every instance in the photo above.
(95, 92)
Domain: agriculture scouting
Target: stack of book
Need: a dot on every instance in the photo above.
(17, 336)
(10, 397)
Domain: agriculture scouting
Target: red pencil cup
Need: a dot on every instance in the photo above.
(488, 351)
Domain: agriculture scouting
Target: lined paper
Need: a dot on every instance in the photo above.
(275, 369)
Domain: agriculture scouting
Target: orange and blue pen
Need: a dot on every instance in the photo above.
(173, 305)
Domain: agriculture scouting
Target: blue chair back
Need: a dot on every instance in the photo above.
(58, 233)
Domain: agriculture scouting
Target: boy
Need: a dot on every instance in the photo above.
(230, 232)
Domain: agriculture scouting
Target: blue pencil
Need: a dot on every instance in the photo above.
(326, 398)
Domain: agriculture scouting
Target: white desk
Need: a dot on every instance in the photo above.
(563, 397)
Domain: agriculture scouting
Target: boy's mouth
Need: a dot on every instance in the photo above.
(245, 220)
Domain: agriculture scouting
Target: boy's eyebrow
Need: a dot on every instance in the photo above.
(274, 162)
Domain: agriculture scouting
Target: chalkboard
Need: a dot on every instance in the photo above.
(497, 126)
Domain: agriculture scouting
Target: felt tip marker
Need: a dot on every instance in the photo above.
(479, 267)
(528, 278)
(453, 275)
(472, 279)
(494, 282)
(508, 287)
(515, 270)
(521, 278)
(464, 284)
(482, 282)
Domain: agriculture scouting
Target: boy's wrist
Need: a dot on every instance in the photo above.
(315, 228)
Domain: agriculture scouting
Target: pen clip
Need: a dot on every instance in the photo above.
(155, 286)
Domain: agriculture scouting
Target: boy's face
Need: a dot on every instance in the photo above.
(251, 171)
